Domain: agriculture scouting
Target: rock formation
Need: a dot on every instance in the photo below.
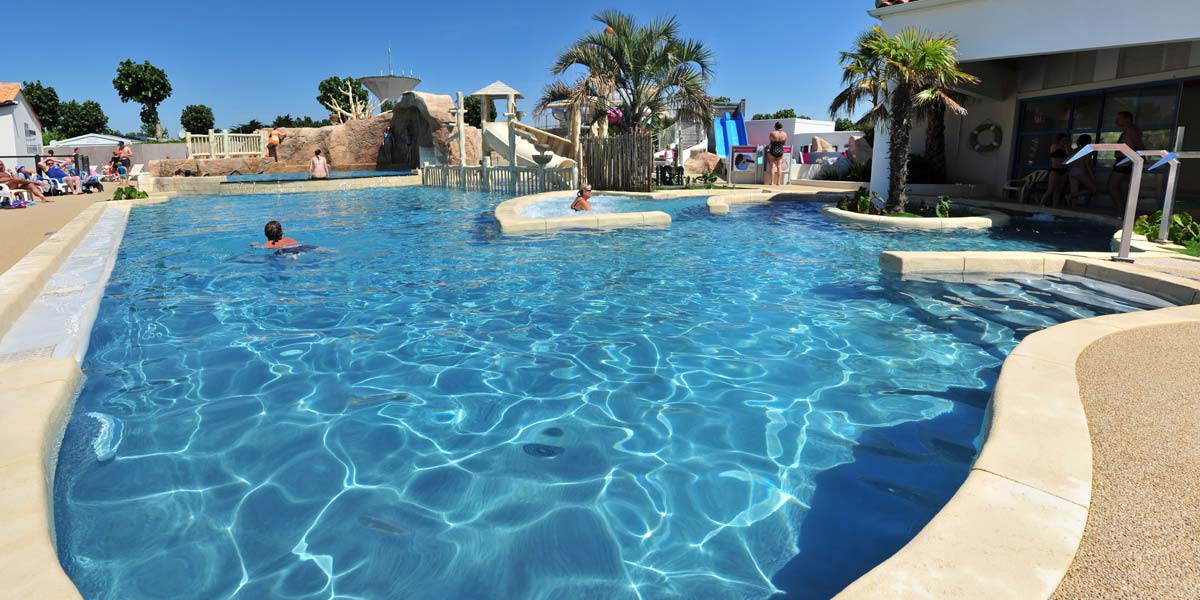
(700, 162)
(858, 150)
(820, 144)
(418, 121)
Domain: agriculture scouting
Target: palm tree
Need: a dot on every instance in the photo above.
(903, 75)
(642, 70)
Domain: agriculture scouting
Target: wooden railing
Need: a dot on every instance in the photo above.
(226, 145)
(518, 181)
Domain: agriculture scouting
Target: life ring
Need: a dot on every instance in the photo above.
(997, 136)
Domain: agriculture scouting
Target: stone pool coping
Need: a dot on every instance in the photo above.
(219, 185)
(508, 213)
(1013, 528)
(981, 219)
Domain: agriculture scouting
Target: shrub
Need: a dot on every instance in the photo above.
(129, 193)
(1183, 229)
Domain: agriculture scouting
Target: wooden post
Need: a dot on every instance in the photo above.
(512, 141)
(458, 124)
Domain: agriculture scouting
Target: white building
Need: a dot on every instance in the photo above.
(1066, 66)
(90, 140)
(20, 130)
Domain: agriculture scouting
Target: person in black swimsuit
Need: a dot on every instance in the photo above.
(1119, 180)
(1058, 182)
(775, 154)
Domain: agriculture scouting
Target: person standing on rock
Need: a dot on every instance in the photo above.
(318, 167)
(273, 143)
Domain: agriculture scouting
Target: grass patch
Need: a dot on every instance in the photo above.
(905, 215)
(1191, 250)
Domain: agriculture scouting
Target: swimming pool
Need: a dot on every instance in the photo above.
(301, 175)
(429, 409)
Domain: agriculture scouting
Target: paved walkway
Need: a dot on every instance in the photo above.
(23, 229)
(1142, 396)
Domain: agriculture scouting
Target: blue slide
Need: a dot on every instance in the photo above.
(729, 131)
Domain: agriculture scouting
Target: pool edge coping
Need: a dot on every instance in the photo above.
(982, 218)
(1014, 526)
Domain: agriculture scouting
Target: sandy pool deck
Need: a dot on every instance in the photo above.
(23, 229)
(1142, 399)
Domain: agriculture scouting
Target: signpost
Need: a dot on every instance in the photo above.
(1135, 185)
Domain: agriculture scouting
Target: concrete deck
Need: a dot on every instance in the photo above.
(23, 229)
(1142, 538)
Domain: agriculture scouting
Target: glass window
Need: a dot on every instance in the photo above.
(1046, 115)
(1086, 112)
(1034, 151)
(1117, 102)
(1156, 107)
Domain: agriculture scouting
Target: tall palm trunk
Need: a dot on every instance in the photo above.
(898, 148)
(935, 142)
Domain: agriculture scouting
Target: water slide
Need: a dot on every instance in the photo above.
(729, 131)
(495, 139)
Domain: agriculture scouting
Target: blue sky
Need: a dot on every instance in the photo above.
(259, 59)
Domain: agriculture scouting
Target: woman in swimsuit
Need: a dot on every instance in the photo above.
(1082, 174)
(775, 154)
(583, 199)
(1057, 184)
(277, 137)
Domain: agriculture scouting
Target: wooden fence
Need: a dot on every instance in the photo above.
(226, 145)
(519, 181)
(619, 163)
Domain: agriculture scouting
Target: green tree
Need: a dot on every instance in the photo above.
(147, 85)
(284, 120)
(197, 118)
(387, 106)
(44, 101)
(786, 113)
(331, 92)
(474, 111)
(901, 75)
(722, 100)
(79, 118)
(309, 122)
(251, 126)
(643, 70)
(843, 124)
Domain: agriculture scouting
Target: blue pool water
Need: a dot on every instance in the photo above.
(275, 177)
(732, 407)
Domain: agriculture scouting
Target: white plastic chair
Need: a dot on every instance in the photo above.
(11, 195)
(1025, 185)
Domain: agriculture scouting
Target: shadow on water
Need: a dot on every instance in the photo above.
(861, 511)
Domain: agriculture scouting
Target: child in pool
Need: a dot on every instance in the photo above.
(275, 239)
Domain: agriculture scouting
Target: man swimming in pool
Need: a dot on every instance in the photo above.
(275, 239)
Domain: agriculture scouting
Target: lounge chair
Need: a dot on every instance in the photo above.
(14, 197)
(1025, 185)
(135, 172)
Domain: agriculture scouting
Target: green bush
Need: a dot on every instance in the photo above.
(1183, 229)
(129, 193)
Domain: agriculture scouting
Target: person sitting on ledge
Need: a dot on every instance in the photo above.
(582, 199)
(318, 167)
(275, 239)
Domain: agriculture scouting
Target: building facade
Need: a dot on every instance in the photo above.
(1062, 67)
(20, 130)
